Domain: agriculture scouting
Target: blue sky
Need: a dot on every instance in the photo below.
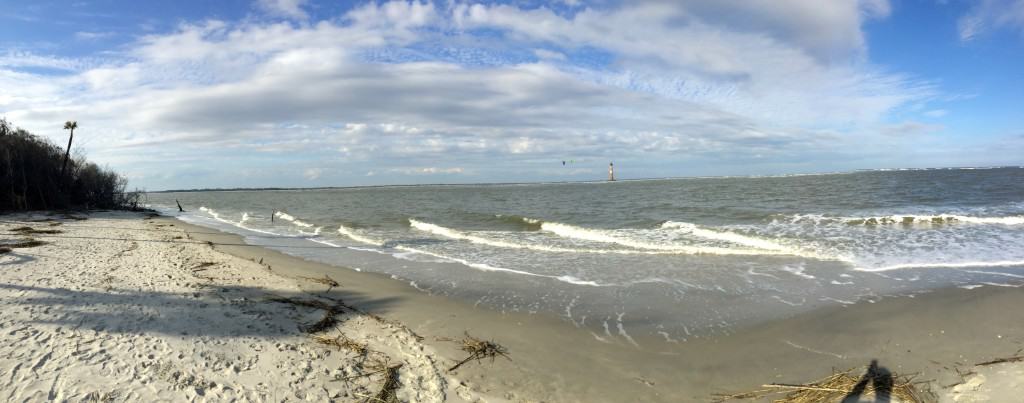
(303, 93)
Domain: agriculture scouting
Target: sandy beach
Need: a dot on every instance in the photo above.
(129, 307)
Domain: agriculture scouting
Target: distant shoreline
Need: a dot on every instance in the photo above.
(856, 171)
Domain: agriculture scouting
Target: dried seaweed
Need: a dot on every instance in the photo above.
(24, 243)
(341, 342)
(33, 231)
(330, 312)
(479, 350)
(387, 389)
(835, 388)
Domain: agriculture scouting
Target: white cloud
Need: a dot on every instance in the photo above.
(682, 80)
(428, 171)
(92, 36)
(284, 8)
(988, 15)
(313, 173)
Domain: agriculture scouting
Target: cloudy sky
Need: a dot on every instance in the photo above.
(196, 93)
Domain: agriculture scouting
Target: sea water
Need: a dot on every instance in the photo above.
(659, 259)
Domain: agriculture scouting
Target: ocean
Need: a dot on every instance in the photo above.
(658, 260)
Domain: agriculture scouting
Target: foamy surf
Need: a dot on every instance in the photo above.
(486, 267)
(728, 236)
(358, 237)
(239, 224)
(460, 235)
(606, 236)
(909, 219)
(960, 265)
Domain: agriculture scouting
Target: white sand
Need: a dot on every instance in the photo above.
(95, 315)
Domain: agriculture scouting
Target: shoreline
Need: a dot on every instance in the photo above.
(791, 348)
(937, 335)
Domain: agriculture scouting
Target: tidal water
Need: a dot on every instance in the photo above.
(653, 260)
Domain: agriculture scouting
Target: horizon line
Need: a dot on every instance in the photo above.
(272, 188)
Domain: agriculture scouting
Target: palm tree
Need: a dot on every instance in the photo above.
(69, 125)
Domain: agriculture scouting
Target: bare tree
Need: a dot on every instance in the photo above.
(69, 125)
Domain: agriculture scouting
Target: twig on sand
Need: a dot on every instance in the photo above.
(202, 266)
(1016, 358)
(325, 280)
(480, 349)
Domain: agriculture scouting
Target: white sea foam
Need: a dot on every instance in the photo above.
(293, 220)
(240, 224)
(486, 267)
(798, 271)
(728, 236)
(358, 237)
(646, 249)
(908, 219)
(961, 265)
(606, 236)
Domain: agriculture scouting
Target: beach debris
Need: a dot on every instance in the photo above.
(387, 389)
(841, 386)
(33, 231)
(325, 280)
(74, 217)
(202, 266)
(23, 243)
(341, 341)
(1016, 358)
(479, 350)
(4, 249)
(330, 312)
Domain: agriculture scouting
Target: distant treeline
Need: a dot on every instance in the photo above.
(31, 177)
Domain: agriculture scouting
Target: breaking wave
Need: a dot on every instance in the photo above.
(727, 236)
(608, 236)
(910, 219)
(240, 224)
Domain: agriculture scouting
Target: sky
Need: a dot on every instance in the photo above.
(307, 93)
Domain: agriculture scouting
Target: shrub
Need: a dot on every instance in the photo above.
(30, 177)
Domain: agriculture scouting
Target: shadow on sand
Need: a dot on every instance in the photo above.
(880, 380)
(230, 311)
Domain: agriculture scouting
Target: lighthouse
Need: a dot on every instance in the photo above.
(611, 172)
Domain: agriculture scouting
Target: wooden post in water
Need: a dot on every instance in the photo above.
(179, 206)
